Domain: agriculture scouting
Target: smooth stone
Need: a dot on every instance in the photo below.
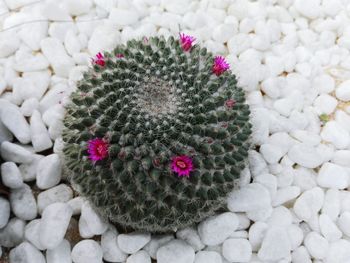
(76, 204)
(309, 203)
(191, 236)
(110, 248)
(139, 257)
(49, 170)
(256, 234)
(207, 257)
(305, 155)
(23, 203)
(344, 223)
(4, 212)
(334, 133)
(342, 92)
(156, 242)
(333, 176)
(54, 223)
(13, 233)
(26, 252)
(331, 205)
(122, 17)
(11, 175)
(251, 197)
(31, 233)
(275, 245)
(339, 251)
(14, 120)
(216, 229)
(133, 242)
(28, 170)
(40, 137)
(329, 229)
(237, 250)
(55, 53)
(15, 153)
(96, 224)
(60, 254)
(175, 251)
(317, 245)
(60, 193)
(87, 251)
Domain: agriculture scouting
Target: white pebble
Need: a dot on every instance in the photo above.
(8, 45)
(296, 235)
(13, 119)
(309, 203)
(94, 221)
(28, 170)
(60, 254)
(256, 234)
(317, 245)
(87, 251)
(237, 250)
(175, 251)
(60, 193)
(331, 205)
(77, 7)
(139, 257)
(344, 223)
(23, 203)
(305, 155)
(216, 229)
(333, 176)
(15, 153)
(329, 229)
(301, 255)
(207, 257)
(49, 171)
(54, 223)
(251, 197)
(324, 83)
(310, 9)
(325, 104)
(27, 253)
(103, 38)
(133, 242)
(28, 106)
(11, 175)
(339, 251)
(110, 248)
(4, 212)
(275, 245)
(13, 233)
(285, 194)
(40, 136)
(54, 51)
(123, 17)
(31, 233)
(76, 204)
(156, 242)
(334, 133)
(342, 91)
(190, 235)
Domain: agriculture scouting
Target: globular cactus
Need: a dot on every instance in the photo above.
(156, 134)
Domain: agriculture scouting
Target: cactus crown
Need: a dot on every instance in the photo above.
(156, 134)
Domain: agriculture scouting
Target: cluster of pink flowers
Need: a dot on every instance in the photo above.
(182, 165)
(186, 41)
(100, 60)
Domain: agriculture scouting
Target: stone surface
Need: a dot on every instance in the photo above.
(13, 233)
(60, 254)
(54, 223)
(23, 203)
(31, 233)
(49, 171)
(333, 176)
(216, 229)
(237, 250)
(175, 251)
(4, 212)
(26, 252)
(15, 153)
(11, 175)
(139, 257)
(207, 257)
(133, 242)
(316, 245)
(110, 248)
(94, 222)
(59, 193)
(87, 251)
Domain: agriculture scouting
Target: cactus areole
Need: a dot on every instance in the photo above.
(156, 134)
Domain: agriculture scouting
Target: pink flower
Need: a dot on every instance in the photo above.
(182, 165)
(230, 103)
(97, 149)
(220, 65)
(186, 41)
(99, 59)
(119, 55)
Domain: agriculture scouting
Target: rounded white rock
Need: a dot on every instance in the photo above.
(110, 248)
(23, 203)
(11, 175)
(4, 212)
(317, 245)
(333, 176)
(60, 254)
(133, 242)
(94, 221)
(342, 92)
(49, 170)
(40, 137)
(15, 153)
(31, 233)
(87, 251)
(216, 229)
(26, 252)
(139, 257)
(191, 236)
(237, 250)
(175, 251)
(207, 257)
(54, 223)
(60, 193)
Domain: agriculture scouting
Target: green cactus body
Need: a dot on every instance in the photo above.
(156, 102)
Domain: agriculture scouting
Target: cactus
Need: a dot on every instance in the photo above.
(156, 134)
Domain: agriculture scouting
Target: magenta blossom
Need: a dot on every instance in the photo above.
(186, 41)
(230, 103)
(220, 65)
(182, 165)
(97, 149)
(119, 55)
(99, 59)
